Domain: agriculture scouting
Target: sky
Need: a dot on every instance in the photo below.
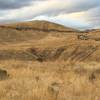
(79, 14)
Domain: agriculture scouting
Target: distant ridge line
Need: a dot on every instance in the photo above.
(20, 28)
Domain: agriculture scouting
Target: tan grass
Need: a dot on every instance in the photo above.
(33, 81)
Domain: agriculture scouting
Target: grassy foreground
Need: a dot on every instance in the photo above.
(50, 81)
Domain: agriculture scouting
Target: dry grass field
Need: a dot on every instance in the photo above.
(45, 61)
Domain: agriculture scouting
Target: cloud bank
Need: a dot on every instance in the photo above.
(13, 4)
(79, 14)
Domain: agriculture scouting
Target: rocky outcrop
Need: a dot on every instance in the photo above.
(3, 74)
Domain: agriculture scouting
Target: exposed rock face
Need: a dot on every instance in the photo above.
(83, 37)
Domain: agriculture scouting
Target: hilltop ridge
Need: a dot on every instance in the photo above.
(39, 26)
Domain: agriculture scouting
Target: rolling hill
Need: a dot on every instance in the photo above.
(30, 30)
(46, 41)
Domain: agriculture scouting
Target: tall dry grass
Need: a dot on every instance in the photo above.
(50, 81)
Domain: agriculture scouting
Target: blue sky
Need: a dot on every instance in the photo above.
(80, 14)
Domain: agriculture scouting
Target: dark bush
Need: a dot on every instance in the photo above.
(3, 74)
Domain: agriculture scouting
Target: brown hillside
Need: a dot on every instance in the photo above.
(31, 30)
(46, 41)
